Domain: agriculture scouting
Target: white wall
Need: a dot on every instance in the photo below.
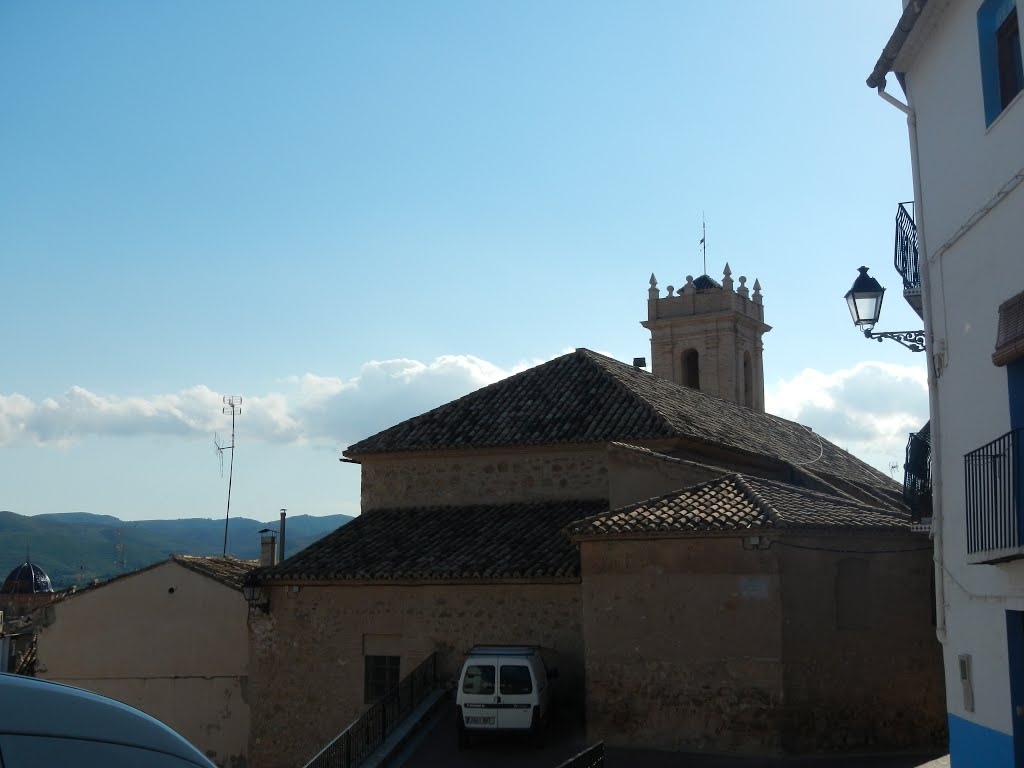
(180, 656)
(963, 164)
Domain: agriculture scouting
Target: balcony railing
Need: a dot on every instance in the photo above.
(992, 479)
(905, 255)
(357, 742)
(917, 474)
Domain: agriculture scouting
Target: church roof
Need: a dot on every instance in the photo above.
(706, 283)
(736, 503)
(470, 543)
(27, 579)
(585, 397)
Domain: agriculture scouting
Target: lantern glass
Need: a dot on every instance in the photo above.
(865, 300)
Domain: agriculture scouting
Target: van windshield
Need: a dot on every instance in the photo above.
(515, 679)
(479, 679)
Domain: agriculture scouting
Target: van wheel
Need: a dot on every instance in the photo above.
(538, 729)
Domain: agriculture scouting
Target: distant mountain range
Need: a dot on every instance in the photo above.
(77, 547)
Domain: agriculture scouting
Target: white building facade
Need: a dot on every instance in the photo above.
(954, 67)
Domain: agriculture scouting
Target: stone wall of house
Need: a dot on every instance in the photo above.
(483, 477)
(683, 644)
(863, 668)
(307, 654)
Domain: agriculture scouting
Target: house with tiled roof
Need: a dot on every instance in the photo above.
(169, 639)
(713, 577)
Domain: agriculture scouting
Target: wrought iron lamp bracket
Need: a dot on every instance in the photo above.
(912, 340)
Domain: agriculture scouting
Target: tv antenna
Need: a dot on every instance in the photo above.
(232, 407)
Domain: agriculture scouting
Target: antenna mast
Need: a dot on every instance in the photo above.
(704, 240)
(232, 407)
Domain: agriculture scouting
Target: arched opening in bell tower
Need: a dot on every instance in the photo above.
(691, 369)
(748, 381)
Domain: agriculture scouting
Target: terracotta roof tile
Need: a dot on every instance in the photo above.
(508, 541)
(226, 570)
(739, 503)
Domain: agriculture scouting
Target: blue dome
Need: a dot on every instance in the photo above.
(27, 579)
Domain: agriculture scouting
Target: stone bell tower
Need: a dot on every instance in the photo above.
(708, 337)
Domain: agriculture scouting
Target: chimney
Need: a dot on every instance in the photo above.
(280, 536)
(268, 547)
(639, 362)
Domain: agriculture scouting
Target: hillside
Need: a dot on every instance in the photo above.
(76, 547)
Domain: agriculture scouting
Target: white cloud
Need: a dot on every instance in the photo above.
(309, 408)
(869, 409)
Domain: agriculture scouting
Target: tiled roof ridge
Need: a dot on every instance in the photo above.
(827, 497)
(766, 507)
(617, 367)
(575, 527)
(609, 365)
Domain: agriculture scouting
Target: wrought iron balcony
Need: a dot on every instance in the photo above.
(906, 258)
(917, 474)
(992, 479)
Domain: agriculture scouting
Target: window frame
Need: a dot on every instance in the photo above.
(1002, 70)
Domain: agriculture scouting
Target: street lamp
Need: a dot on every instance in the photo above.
(865, 301)
(253, 592)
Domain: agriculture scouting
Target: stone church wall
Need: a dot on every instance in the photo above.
(307, 653)
(483, 477)
(863, 668)
(683, 644)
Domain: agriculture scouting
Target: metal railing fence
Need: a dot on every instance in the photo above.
(992, 482)
(905, 254)
(357, 742)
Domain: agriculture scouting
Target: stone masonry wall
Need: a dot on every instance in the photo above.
(306, 655)
(483, 477)
(683, 644)
(863, 668)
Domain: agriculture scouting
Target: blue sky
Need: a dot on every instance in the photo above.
(348, 213)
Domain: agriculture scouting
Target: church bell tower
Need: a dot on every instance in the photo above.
(708, 336)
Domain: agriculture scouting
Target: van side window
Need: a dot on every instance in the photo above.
(479, 679)
(515, 679)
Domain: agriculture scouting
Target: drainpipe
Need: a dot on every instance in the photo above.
(935, 350)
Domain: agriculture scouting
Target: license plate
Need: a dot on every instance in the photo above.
(479, 720)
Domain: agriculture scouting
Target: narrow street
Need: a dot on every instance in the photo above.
(437, 747)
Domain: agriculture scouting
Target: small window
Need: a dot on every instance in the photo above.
(1002, 73)
(479, 680)
(515, 680)
(381, 676)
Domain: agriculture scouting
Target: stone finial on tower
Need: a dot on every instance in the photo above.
(707, 336)
(652, 292)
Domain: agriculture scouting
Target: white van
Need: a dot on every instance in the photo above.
(503, 688)
(44, 725)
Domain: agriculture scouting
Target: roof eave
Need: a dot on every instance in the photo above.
(897, 40)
